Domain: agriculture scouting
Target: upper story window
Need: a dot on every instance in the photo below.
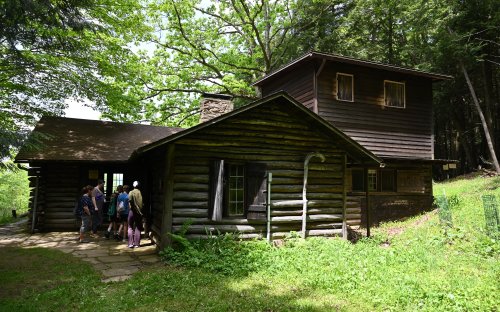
(345, 87)
(394, 94)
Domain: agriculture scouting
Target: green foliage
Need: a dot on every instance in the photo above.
(224, 254)
(418, 267)
(425, 266)
(14, 193)
(52, 51)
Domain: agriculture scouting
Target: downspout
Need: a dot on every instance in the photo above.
(304, 189)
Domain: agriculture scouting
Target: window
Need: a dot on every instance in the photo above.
(345, 87)
(411, 181)
(383, 180)
(236, 190)
(394, 94)
(117, 180)
(372, 179)
(387, 180)
(358, 180)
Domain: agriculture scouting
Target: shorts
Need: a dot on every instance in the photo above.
(85, 227)
(123, 217)
(113, 218)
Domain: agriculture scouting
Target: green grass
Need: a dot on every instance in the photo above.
(414, 265)
(14, 193)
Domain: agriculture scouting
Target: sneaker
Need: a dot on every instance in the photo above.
(136, 246)
(107, 234)
(130, 246)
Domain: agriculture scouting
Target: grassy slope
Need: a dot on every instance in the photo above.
(410, 265)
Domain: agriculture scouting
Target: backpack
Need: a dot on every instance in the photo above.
(121, 207)
(112, 206)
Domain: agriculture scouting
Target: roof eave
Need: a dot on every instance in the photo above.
(319, 55)
(368, 156)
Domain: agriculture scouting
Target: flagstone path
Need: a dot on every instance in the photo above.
(113, 259)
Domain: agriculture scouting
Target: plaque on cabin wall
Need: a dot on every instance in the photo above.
(93, 174)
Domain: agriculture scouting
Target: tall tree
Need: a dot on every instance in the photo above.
(218, 46)
(53, 50)
(467, 46)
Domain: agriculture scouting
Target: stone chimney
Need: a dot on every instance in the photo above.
(214, 105)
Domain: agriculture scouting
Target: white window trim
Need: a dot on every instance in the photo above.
(352, 87)
(404, 94)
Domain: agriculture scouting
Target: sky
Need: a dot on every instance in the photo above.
(78, 110)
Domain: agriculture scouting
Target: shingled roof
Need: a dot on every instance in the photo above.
(314, 55)
(69, 139)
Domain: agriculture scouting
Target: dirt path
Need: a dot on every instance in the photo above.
(114, 260)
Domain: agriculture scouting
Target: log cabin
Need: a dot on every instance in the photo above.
(387, 109)
(214, 176)
(334, 143)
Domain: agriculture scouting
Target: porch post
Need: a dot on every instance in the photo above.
(166, 224)
(367, 203)
(344, 196)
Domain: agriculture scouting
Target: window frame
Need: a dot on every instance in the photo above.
(373, 173)
(404, 93)
(227, 191)
(375, 180)
(337, 84)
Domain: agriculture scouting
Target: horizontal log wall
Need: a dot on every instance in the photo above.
(60, 190)
(386, 131)
(282, 141)
(40, 198)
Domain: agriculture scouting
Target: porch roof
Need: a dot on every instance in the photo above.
(70, 139)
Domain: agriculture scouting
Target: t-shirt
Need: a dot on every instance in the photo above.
(85, 201)
(112, 205)
(123, 197)
(99, 197)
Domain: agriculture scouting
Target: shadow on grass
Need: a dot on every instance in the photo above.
(38, 279)
(178, 289)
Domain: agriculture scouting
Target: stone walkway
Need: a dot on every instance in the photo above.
(113, 259)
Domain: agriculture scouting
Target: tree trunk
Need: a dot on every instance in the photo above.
(483, 120)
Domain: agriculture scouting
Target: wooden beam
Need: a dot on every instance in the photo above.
(344, 210)
(166, 224)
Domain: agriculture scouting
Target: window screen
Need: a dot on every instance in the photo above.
(387, 180)
(394, 94)
(345, 88)
(358, 181)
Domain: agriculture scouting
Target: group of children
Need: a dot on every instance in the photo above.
(124, 213)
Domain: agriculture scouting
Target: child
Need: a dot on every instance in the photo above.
(112, 215)
(122, 208)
